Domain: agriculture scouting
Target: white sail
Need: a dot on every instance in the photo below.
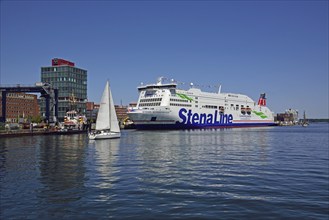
(114, 125)
(107, 125)
(103, 117)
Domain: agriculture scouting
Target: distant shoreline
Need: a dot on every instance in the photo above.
(319, 120)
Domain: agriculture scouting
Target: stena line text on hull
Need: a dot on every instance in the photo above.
(188, 117)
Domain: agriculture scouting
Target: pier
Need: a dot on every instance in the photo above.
(35, 132)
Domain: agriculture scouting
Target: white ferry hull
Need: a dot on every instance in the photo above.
(163, 106)
(187, 119)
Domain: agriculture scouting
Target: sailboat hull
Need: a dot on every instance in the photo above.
(104, 135)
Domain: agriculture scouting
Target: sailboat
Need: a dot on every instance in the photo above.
(304, 121)
(107, 125)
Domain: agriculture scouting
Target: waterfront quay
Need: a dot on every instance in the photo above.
(19, 131)
(27, 132)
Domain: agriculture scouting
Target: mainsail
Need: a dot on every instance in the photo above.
(103, 116)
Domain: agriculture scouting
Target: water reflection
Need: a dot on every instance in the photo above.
(167, 174)
(195, 145)
(3, 156)
(9, 160)
(102, 155)
(61, 167)
(182, 162)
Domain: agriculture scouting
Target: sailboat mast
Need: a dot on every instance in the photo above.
(108, 87)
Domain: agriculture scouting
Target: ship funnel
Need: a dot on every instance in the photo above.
(262, 100)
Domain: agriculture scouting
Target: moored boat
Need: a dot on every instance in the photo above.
(304, 122)
(164, 106)
(74, 121)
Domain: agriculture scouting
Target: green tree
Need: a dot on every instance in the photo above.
(36, 119)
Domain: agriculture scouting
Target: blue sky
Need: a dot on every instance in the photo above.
(249, 47)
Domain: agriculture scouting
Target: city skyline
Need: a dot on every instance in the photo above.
(248, 47)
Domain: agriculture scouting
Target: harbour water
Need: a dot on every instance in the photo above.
(254, 173)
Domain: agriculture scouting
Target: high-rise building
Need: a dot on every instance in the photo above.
(71, 83)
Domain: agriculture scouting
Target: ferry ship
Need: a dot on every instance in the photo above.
(164, 106)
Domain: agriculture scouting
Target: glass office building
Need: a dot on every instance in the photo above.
(71, 83)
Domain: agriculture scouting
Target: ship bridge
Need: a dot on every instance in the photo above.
(158, 85)
(155, 86)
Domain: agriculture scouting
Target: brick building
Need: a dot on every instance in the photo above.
(92, 110)
(20, 105)
(121, 112)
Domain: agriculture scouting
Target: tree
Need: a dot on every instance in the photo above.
(36, 119)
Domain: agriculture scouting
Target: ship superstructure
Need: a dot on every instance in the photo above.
(164, 106)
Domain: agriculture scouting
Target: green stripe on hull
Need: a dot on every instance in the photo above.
(260, 114)
(183, 96)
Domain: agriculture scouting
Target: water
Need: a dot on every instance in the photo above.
(256, 173)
